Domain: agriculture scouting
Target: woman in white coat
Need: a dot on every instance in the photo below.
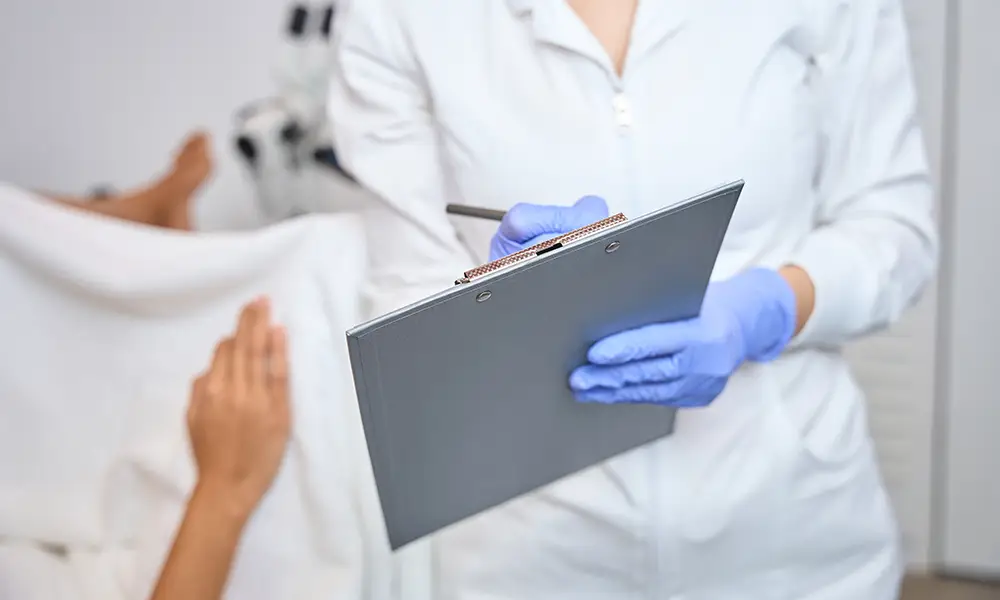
(770, 489)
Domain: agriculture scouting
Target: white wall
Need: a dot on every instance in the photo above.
(102, 90)
(969, 507)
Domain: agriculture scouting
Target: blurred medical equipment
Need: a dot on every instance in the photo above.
(285, 141)
(110, 325)
(102, 191)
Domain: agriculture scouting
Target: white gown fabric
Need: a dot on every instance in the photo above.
(105, 325)
(773, 491)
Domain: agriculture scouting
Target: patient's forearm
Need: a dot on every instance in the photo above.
(202, 555)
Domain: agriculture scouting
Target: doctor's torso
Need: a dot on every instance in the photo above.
(528, 108)
(525, 106)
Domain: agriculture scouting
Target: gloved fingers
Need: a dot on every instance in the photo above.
(647, 393)
(587, 210)
(526, 221)
(661, 394)
(655, 370)
(651, 341)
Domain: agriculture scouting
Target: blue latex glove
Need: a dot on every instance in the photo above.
(525, 225)
(750, 317)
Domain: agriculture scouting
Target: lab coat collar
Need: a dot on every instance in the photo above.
(551, 22)
(521, 7)
(656, 21)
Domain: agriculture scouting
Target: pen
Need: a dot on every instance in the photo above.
(475, 211)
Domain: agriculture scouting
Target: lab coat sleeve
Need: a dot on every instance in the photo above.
(875, 245)
(385, 137)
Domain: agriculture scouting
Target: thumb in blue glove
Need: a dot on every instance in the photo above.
(525, 225)
(750, 317)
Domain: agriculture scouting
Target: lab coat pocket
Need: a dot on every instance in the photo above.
(821, 406)
(838, 533)
(730, 483)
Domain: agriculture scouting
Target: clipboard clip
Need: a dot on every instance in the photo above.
(541, 248)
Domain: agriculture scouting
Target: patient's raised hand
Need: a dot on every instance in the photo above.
(238, 418)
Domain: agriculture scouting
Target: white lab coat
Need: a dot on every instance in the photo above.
(773, 490)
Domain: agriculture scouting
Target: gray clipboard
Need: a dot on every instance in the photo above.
(464, 396)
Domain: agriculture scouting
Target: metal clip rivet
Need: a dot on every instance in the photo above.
(484, 296)
(612, 247)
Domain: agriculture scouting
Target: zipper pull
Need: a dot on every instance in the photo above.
(623, 110)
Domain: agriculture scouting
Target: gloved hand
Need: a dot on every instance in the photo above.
(750, 317)
(528, 224)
